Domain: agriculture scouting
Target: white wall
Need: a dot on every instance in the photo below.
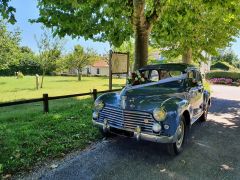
(103, 71)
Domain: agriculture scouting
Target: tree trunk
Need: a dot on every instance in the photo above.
(43, 74)
(141, 32)
(187, 56)
(79, 74)
(141, 49)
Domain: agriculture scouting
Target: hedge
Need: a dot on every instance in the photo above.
(222, 66)
(223, 74)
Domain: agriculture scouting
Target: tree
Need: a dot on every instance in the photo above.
(7, 11)
(49, 52)
(128, 46)
(118, 21)
(227, 55)
(79, 59)
(104, 20)
(189, 29)
(9, 47)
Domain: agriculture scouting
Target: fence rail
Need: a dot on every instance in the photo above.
(46, 98)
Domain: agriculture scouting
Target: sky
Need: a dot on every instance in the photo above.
(27, 9)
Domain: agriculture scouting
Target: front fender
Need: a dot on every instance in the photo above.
(175, 107)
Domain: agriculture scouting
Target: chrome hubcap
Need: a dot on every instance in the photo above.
(180, 134)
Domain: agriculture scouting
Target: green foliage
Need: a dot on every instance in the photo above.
(9, 47)
(1, 169)
(223, 74)
(102, 20)
(227, 55)
(202, 26)
(78, 59)
(7, 11)
(50, 49)
(222, 66)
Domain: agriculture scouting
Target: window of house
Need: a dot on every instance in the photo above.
(98, 71)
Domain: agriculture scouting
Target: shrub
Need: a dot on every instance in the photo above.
(222, 66)
(235, 76)
(221, 81)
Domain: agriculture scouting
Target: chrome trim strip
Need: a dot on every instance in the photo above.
(142, 136)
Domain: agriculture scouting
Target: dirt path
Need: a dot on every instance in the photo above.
(213, 151)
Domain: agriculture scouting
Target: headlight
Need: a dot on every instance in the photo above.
(159, 114)
(98, 105)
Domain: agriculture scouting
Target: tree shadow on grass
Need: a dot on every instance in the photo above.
(2, 83)
(115, 85)
(22, 89)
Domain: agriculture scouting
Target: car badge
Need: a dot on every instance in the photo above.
(146, 121)
(132, 100)
(123, 102)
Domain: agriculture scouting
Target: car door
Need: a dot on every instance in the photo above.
(195, 92)
(199, 97)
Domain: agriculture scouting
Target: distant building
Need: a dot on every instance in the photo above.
(100, 68)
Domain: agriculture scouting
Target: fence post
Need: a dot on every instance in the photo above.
(45, 103)
(94, 94)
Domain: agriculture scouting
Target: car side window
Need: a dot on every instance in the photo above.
(192, 78)
(154, 76)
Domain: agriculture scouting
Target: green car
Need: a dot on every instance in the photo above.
(159, 104)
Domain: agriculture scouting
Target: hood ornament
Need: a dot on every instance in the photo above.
(123, 102)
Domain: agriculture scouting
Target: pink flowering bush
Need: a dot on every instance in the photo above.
(221, 81)
(226, 81)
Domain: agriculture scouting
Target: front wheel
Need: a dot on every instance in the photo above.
(177, 147)
(203, 118)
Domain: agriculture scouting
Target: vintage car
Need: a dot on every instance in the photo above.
(159, 104)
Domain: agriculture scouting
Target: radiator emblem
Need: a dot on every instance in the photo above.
(146, 121)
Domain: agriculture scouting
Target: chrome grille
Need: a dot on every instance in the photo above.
(127, 119)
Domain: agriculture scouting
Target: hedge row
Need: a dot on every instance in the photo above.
(222, 66)
(223, 74)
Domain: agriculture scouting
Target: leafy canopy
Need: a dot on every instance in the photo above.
(79, 58)
(9, 47)
(7, 11)
(201, 25)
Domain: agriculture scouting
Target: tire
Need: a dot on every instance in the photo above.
(177, 147)
(203, 118)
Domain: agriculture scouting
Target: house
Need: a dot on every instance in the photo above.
(100, 68)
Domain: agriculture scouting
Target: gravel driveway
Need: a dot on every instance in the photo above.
(212, 153)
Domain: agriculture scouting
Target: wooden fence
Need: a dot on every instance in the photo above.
(45, 98)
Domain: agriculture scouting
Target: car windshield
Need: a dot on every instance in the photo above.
(155, 75)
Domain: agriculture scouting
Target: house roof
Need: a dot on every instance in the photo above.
(100, 63)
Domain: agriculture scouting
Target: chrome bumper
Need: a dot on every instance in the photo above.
(140, 135)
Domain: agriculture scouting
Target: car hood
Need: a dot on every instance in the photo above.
(142, 99)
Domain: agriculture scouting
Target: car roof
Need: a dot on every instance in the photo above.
(169, 66)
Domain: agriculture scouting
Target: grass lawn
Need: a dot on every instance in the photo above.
(12, 89)
(29, 137)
